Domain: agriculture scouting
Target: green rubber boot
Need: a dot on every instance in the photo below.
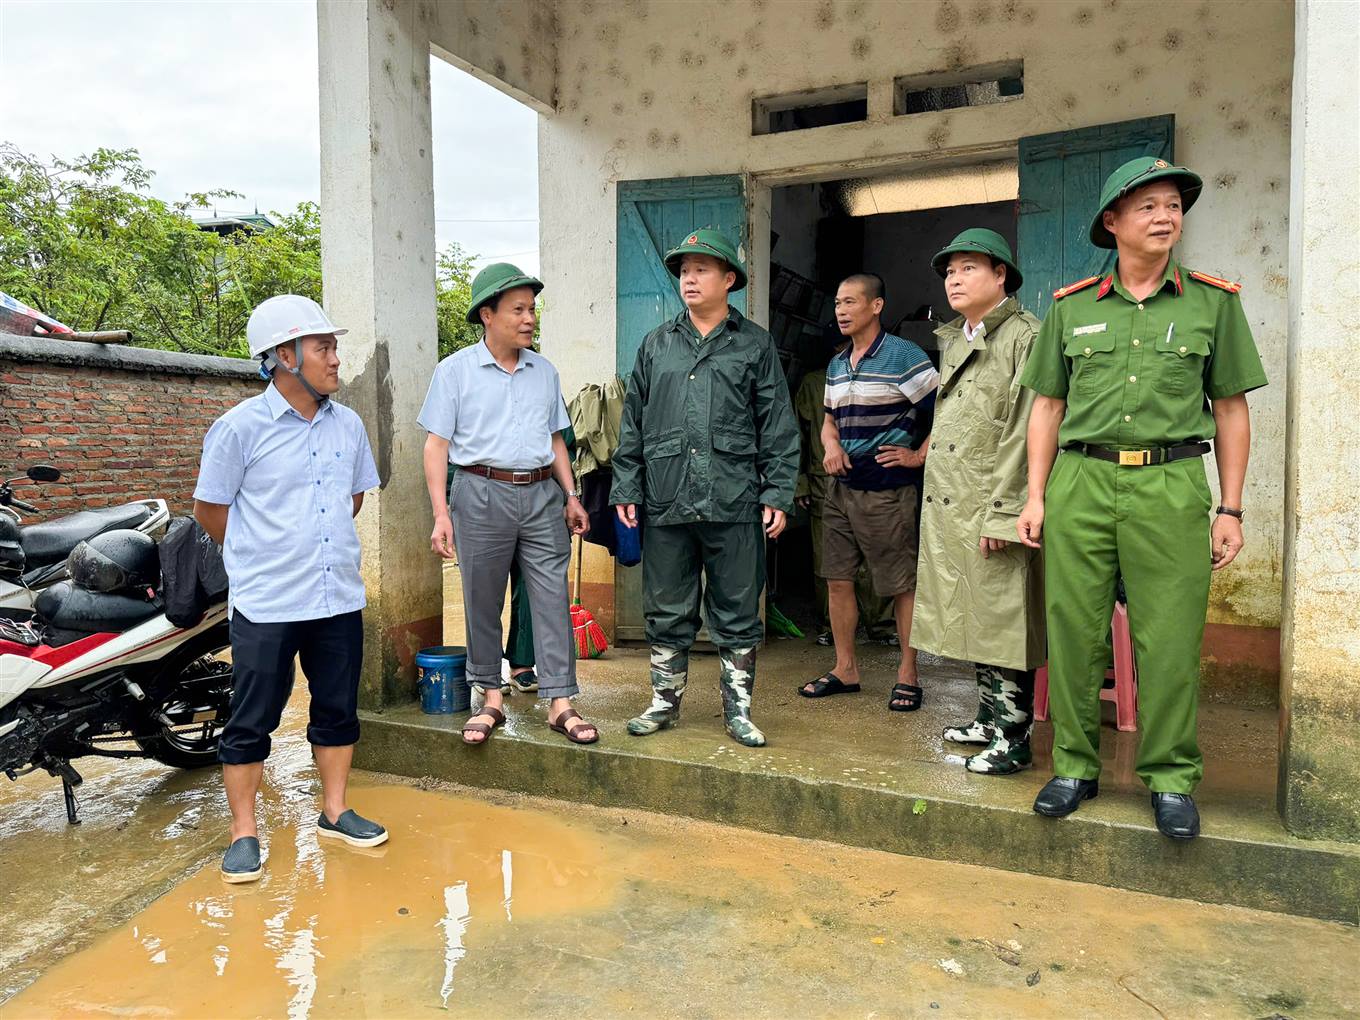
(738, 680)
(670, 673)
(1008, 751)
(979, 731)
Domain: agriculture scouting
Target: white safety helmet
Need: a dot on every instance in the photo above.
(284, 318)
(278, 320)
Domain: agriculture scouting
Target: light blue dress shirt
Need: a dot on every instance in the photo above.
(493, 417)
(291, 550)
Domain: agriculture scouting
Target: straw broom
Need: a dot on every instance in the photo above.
(590, 640)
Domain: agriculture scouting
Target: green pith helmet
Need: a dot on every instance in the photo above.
(707, 241)
(988, 242)
(1134, 174)
(496, 279)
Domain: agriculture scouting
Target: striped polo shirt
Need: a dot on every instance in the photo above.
(876, 404)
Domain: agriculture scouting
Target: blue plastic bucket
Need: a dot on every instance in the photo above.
(441, 679)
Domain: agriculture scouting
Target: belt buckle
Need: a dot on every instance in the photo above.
(1133, 458)
(521, 477)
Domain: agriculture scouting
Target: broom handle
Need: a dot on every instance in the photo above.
(580, 557)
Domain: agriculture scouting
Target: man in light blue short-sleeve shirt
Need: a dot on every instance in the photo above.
(493, 417)
(495, 411)
(302, 477)
(283, 475)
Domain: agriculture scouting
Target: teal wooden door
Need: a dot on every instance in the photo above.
(1060, 179)
(655, 216)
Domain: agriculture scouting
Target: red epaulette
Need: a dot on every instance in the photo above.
(1072, 288)
(1214, 281)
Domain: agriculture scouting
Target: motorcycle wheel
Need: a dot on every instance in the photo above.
(192, 745)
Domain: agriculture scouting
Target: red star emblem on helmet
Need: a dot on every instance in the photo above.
(692, 239)
(1161, 164)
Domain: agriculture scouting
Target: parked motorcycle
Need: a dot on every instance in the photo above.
(96, 668)
(33, 556)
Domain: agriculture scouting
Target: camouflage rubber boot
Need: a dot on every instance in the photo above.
(1013, 715)
(670, 673)
(979, 731)
(737, 682)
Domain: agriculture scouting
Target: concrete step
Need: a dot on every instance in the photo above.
(846, 769)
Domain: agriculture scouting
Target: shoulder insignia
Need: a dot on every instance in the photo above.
(1214, 281)
(1072, 288)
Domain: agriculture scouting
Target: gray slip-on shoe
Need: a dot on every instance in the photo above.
(241, 862)
(352, 828)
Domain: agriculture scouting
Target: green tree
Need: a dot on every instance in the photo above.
(83, 242)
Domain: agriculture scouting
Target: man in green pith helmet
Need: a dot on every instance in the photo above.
(708, 451)
(495, 412)
(1135, 371)
(979, 593)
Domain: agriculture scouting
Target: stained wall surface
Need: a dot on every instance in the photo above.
(663, 88)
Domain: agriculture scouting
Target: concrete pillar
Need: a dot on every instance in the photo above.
(377, 251)
(1319, 785)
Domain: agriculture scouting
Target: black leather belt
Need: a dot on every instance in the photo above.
(529, 477)
(1143, 458)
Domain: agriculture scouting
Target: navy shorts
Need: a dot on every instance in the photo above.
(331, 651)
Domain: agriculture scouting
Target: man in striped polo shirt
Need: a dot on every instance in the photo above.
(879, 394)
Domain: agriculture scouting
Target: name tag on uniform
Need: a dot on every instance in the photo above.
(1097, 327)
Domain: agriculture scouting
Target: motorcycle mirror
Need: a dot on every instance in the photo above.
(43, 473)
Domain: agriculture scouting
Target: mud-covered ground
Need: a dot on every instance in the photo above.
(501, 906)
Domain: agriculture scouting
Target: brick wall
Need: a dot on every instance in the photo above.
(120, 423)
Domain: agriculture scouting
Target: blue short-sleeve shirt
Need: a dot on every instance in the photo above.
(493, 417)
(291, 550)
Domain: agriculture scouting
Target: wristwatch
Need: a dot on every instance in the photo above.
(1239, 514)
(573, 494)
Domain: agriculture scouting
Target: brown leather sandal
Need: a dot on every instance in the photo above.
(560, 726)
(480, 727)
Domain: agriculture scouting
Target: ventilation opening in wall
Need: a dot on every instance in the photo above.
(951, 90)
(811, 108)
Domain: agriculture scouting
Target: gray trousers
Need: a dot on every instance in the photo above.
(495, 523)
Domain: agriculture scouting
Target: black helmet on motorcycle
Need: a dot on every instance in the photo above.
(11, 551)
(121, 560)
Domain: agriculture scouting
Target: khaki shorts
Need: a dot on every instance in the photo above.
(877, 528)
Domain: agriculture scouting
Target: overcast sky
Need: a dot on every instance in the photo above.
(223, 94)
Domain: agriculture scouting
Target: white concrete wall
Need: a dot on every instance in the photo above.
(1320, 678)
(663, 88)
(377, 250)
(509, 43)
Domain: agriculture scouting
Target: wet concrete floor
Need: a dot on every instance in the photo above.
(512, 907)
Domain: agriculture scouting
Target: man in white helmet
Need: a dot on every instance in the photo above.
(282, 477)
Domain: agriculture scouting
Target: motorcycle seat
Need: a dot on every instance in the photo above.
(51, 541)
(69, 608)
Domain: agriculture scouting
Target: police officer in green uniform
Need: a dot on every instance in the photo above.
(709, 450)
(1135, 372)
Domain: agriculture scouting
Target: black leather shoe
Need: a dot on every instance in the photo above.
(1061, 796)
(1177, 815)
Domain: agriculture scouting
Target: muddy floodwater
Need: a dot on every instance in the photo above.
(498, 906)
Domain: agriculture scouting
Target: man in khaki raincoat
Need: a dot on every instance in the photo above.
(979, 594)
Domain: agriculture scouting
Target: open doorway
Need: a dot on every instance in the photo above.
(821, 233)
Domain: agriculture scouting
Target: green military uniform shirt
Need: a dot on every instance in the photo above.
(708, 431)
(1140, 374)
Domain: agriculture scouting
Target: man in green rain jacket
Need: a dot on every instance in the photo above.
(979, 592)
(708, 450)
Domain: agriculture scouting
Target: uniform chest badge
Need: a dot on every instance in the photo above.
(1095, 327)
